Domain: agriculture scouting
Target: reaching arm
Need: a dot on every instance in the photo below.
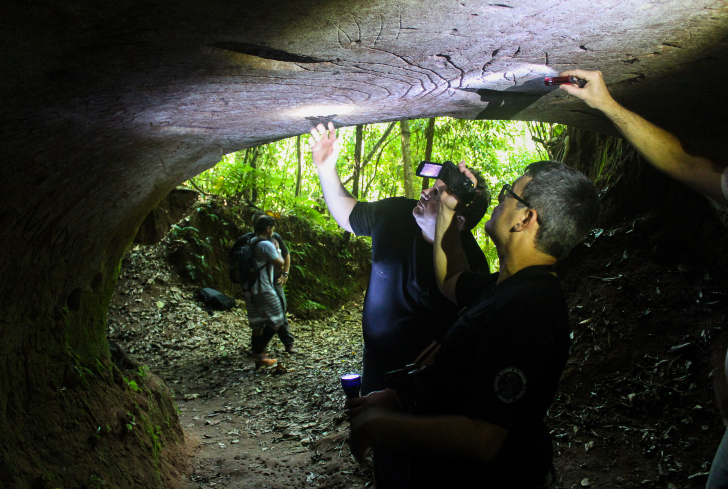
(451, 436)
(660, 148)
(325, 151)
(286, 267)
(450, 259)
(278, 263)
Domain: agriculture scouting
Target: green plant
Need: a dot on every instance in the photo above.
(132, 385)
(132, 423)
(143, 371)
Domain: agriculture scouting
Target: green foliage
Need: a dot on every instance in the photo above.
(266, 176)
(132, 385)
(132, 422)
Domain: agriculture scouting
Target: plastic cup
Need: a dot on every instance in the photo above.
(351, 383)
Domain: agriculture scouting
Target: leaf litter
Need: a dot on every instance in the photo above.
(635, 407)
(284, 424)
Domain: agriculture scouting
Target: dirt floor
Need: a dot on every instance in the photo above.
(635, 408)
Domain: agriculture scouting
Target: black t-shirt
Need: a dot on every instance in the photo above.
(501, 363)
(403, 309)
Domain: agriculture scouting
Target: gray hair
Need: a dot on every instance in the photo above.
(567, 204)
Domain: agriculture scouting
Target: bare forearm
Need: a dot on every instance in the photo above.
(278, 263)
(287, 263)
(665, 152)
(450, 260)
(660, 148)
(453, 436)
(339, 200)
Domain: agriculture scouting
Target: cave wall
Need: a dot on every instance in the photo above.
(108, 106)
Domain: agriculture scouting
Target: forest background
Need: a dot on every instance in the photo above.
(379, 161)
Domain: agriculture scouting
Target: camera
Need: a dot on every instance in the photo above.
(456, 181)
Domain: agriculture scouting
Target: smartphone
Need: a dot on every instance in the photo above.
(429, 169)
(451, 176)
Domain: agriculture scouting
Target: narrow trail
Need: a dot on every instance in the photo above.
(635, 407)
(281, 426)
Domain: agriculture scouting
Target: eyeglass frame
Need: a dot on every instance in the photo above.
(509, 188)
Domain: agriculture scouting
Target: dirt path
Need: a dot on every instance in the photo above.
(635, 408)
(277, 427)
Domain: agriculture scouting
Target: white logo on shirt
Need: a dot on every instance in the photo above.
(509, 385)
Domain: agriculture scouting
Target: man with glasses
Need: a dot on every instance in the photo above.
(403, 309)
(477, 413)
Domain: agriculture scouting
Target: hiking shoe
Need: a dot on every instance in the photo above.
(291, 351)
(263, 361)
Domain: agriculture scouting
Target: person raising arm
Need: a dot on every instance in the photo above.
(325, 152)
(660, 148)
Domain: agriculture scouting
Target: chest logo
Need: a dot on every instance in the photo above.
(509, 385)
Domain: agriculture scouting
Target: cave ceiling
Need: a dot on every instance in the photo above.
(109, 105)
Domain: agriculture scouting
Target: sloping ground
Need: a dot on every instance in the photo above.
(635, 408)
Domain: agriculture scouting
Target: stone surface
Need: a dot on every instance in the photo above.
(108, 106)
(169, 211)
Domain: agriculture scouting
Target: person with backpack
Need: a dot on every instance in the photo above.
(280, 277)
(266, 315)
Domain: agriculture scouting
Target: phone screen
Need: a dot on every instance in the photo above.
(427, 169)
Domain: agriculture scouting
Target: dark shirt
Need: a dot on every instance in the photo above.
(501, 363)
(403, 309)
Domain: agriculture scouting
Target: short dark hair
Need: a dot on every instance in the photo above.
(263, 223)
(474, 212)
(257, 215)
(567, 204)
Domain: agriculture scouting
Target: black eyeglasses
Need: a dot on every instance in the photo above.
(509, 189)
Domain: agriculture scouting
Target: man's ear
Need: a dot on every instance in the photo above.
(461, 222)
(528, 221)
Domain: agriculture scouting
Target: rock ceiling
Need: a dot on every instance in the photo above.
(109, 105)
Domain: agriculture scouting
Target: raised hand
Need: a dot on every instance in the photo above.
(324, 147)
(595, 93)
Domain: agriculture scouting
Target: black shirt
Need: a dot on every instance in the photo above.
(403, 309)
(501, 363)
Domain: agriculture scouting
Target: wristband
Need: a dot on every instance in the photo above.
(285, 274)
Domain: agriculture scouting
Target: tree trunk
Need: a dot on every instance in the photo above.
(430, 137)
(407, 160)
(254, 176)
(376, 147)
(358, 147)
(359, 143)
(299, 172)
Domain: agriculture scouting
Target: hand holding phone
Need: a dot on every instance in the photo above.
(456, 181)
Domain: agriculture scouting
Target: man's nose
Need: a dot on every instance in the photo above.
(425, 194)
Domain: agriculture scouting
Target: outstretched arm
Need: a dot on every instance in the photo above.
(325, 151)
(660, 148)
(450, 259)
